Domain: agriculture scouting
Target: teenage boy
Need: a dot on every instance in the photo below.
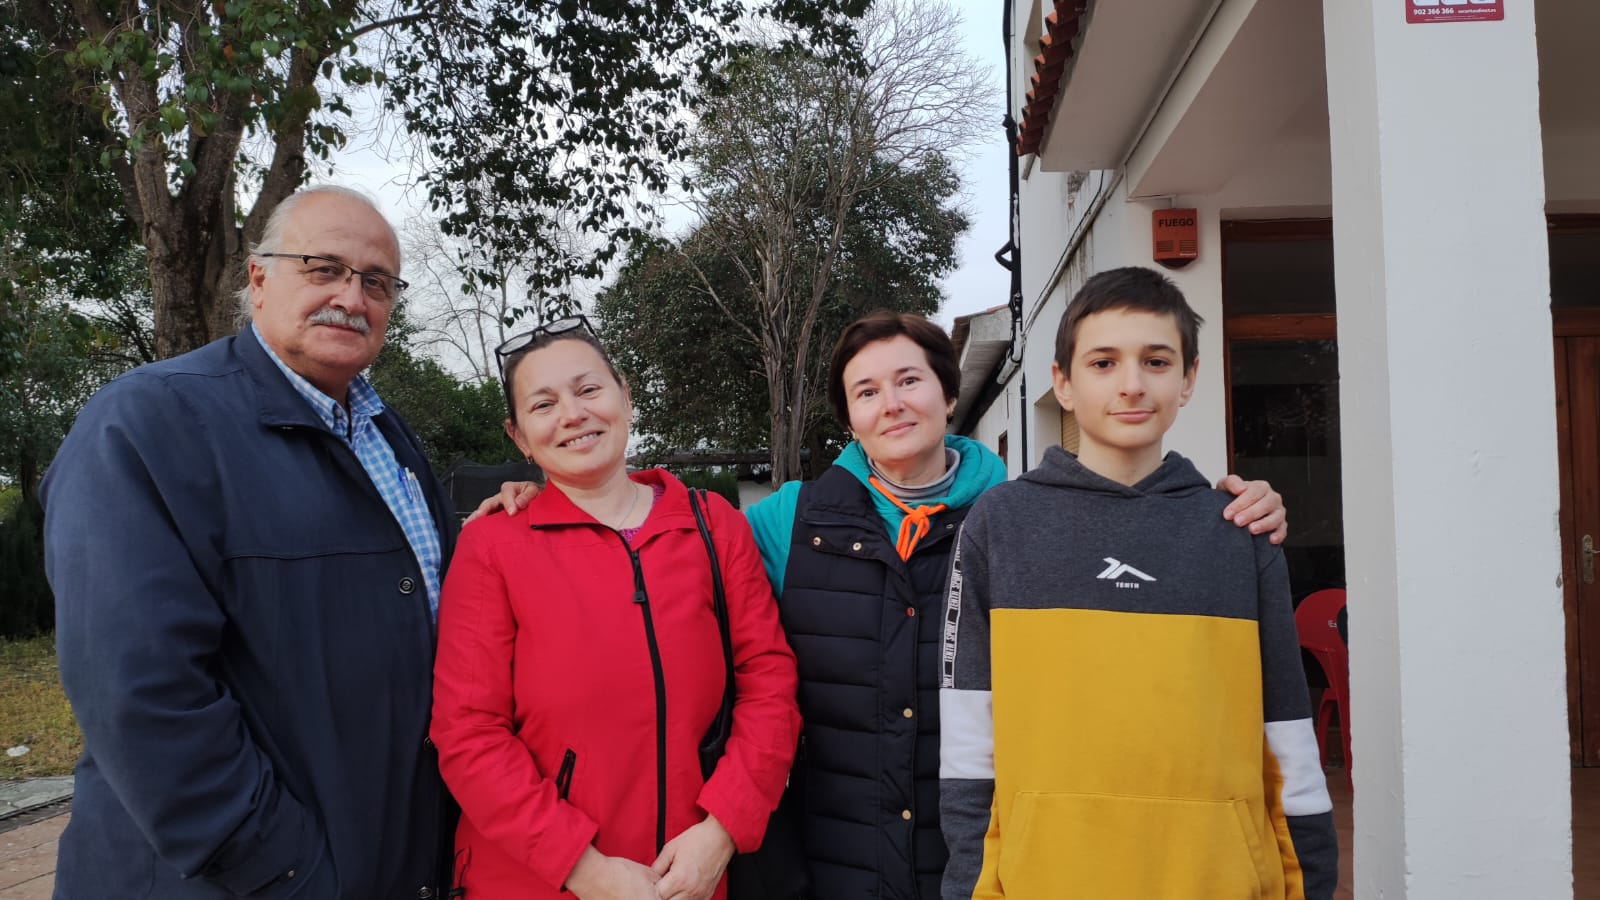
(1125, 715)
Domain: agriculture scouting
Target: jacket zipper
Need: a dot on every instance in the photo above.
(569, 761)
(642, 598)
(916, 726)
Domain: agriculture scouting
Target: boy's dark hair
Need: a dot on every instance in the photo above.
(883, 325)
(1135, 288)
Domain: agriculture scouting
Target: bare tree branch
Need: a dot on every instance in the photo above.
(786, 153)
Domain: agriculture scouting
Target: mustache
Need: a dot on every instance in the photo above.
(330, 316)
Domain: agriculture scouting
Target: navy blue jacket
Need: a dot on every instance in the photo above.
(244, 636)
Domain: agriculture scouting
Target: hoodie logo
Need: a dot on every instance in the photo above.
(1117, 570)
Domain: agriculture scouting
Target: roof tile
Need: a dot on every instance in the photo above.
(1061, 28)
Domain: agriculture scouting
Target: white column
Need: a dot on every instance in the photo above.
(1450, 475)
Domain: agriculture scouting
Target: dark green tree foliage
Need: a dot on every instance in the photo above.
(27, 607)
(821, 191)
(717, 481)
(817, 185)
(545, 120)
(47, 372)
(62, 242)
(454, 420)
(699, 381)
(51, 360)
(177, 87)
(695, 382)
(536, 118)
(72, 287)
(61, 211)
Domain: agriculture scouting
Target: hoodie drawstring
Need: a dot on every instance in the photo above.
(914, 526)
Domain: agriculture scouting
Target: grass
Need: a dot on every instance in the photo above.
(34, 712)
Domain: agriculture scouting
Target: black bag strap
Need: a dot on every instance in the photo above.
(719, 602)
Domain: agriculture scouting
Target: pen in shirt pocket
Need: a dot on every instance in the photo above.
(413, 485)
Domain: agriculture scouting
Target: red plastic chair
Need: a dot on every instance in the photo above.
(1317, 621)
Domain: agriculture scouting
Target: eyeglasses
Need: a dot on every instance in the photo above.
(322, 271)
(524, 340)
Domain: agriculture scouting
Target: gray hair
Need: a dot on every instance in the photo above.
(272, 235)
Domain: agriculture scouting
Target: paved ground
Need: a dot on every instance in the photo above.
(28, 853)
(32, 814)
(19, 796)
(28, 859)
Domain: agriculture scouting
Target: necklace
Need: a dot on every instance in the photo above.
(634, 501)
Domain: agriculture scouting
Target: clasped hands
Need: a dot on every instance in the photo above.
(689, 868)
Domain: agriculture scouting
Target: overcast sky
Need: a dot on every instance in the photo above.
(979, 283)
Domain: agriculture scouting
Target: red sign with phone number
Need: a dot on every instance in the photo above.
(1454, 10)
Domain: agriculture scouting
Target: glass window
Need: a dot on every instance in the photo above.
(1285, 399)
(1575, 269)
(1278, 277)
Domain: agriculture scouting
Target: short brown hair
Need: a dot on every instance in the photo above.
(1136, 288)
(882, 326)
(508, 366)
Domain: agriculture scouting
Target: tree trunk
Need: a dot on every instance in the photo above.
(816, 460)
(182, 301)
(786, 433)
(28, 474)
(199, 268)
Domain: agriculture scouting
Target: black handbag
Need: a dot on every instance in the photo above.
(777, 869)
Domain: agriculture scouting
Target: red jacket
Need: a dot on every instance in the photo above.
(545, 706)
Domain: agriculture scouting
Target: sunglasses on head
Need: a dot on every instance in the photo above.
(520, 342)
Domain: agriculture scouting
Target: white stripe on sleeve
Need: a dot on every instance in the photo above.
(1305, 787)
(966, 734)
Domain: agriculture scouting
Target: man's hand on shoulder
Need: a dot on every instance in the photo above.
(514, 497)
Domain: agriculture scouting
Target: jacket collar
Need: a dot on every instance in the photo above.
(281, 405)
(552, 508)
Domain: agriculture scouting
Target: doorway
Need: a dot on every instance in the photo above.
(1575, 318)
(1281, 370)
(1578, 436)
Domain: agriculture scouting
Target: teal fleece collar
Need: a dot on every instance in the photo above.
(980, 470)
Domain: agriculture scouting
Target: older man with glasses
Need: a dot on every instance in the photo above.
(245, 546)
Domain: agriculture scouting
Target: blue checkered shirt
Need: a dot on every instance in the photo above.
(396, 484)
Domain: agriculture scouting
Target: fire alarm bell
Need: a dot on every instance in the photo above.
(1177, 237)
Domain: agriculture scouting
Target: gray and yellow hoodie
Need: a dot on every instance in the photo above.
(1125, 714)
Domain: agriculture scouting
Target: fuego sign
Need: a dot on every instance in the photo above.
(1454, 10)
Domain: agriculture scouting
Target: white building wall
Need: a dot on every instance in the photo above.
(989, 429)
(1450, 471)
(1119, 235)
(1448, 515)
(1050, 212)
(753, 492)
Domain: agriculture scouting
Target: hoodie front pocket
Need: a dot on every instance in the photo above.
(1111, 847)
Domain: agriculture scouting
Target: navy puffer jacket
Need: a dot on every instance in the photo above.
(866, 629)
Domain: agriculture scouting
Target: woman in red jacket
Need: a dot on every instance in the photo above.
(580, 664)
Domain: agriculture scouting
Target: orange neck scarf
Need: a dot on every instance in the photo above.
(914, 526)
